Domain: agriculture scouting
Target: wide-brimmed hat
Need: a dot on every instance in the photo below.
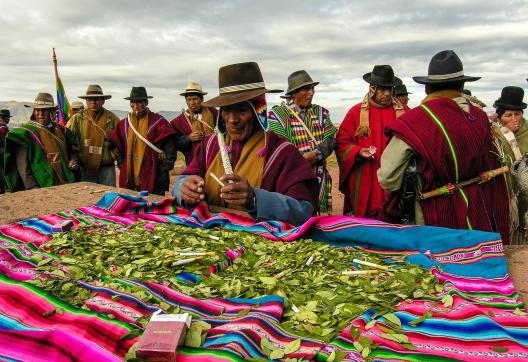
(401, 90)
(238, 83)
(77, 105)
(381, 75)
(5, 113)
(193, 88)
(138, 94)
(445, 67)
(95, 91)
(511, 98)
(42, 101)
(299, 79)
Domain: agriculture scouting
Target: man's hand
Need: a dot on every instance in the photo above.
(238, 192)
(72, 165)
(193, 190)
(365, 153)
(311, 157)
(196, 136)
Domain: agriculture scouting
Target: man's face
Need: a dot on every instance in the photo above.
(43, 116)
(4, 120)
(139, 107)
(512, 119)
(404, 99)
(239, 120)
(95, 104)
(383, 96)
(303, 96)
(194, 103)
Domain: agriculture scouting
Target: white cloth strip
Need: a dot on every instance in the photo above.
(241, 87)
(446, 76)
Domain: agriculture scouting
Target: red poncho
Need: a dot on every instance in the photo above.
(469, 151)
(358, 180)
(158, 130)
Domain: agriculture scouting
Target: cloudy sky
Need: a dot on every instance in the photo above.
(164, 44)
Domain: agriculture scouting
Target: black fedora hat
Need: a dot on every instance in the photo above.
(401, 90)
(381, 75)
(5, 113)
(238, 83)
(511, 98)
(138, 94)
(445, 67)
(299, 79)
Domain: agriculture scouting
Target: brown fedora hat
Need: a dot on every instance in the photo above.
(445, 67)
(95, 91)
(138, 94)
(299, 79)
(238, 83)
(193, 88)
(42, 101)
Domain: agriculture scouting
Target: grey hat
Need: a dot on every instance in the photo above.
(445, 67)
(138, 94)
(299, 79)
(42, 101)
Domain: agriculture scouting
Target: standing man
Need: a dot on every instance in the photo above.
(361, 142)
(91, 127)
(450, 141)
(146, 147)
(40, 153)
(4, 120)
(401, 93)
(194, 123)
(309, 128)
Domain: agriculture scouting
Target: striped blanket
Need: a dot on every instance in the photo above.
(485, 322)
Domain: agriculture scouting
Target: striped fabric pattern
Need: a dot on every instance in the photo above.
(481, 325)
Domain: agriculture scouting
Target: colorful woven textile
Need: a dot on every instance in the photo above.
(482, 324)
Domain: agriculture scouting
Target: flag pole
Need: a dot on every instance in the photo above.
(60, 105)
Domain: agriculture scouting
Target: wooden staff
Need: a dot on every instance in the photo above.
(449, 188)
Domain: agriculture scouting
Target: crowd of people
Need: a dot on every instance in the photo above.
(443, 163)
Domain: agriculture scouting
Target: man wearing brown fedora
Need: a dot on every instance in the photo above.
(146, 147)
(248, 169)
(40, 153)
(4, 120)
(194, 123)
(309, 128)
(91, 127)
(361, 142)
(449, 141)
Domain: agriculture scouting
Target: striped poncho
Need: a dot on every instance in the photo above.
(282, 121)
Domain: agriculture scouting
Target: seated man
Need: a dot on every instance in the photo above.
(271, 179)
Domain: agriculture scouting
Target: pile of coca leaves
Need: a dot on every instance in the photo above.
(319, 300)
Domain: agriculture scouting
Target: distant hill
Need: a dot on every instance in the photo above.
(21, 114)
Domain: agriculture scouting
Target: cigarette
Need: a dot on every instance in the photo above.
(216, 179)
(186, 261)
(367, 263)
(359, 272)
(279, 275)
(198, 253)
(310, 260)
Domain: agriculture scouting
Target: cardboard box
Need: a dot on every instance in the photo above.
(163, 335)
